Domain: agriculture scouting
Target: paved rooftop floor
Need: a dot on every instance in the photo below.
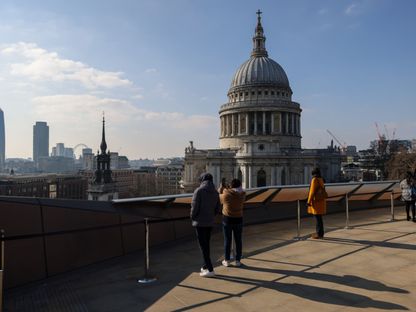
(370, 267)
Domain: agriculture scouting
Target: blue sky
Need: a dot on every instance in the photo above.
(161, 69)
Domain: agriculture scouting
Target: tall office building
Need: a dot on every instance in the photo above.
(40, 140)
(2, 141)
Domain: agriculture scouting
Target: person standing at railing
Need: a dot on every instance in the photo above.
(317, 202)
(409, 195)
(232, 200)
(205, 205)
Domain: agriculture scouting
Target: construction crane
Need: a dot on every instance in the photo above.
(380, 136)
(382, 142)
(342, 145)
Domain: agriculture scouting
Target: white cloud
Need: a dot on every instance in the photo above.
(82, 110)
(76, 118)
(73, 106)
(41, 65)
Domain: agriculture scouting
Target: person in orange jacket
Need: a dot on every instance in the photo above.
(232, 198)
(317, 201)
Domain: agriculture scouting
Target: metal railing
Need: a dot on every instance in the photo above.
(148, 220)
(149, 278)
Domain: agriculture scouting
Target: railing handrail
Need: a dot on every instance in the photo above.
(327, 185)
(92, 228)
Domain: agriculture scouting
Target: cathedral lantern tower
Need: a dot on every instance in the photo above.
(102, 187)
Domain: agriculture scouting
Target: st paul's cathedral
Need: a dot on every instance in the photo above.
(260, 135)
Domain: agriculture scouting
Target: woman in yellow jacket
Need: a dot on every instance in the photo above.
(317, 201)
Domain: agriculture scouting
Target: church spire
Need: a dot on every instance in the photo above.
(259, 47)
(103, 145)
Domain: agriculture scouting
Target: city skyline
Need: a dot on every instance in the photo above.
(161, 70)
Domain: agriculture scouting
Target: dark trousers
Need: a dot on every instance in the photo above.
(410, 204)
(204, 235)
(236, 229)
(319, 225)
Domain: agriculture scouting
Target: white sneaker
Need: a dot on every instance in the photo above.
(207, 273)
(237, 263)
(203, 270)
(226, 263)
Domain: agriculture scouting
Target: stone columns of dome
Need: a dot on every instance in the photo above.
(232, 125)
(296, 124)
(250, 179)
(225, 125)
(255, 123)
(264, 122)
(287, 123)
(228, 125)
(247, 124)
(293, 124)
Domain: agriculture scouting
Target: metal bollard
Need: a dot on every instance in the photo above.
(392, 206)
(147, 278)
(298, 222)
(347, 213)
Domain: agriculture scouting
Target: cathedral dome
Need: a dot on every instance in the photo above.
(260, 70)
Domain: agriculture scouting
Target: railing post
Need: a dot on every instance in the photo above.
(298, 221)
(1, 269)
(347, 213)
(147, 278)
(392, 206)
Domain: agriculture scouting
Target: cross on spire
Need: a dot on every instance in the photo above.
(259, 13)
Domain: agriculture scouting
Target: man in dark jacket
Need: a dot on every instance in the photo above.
(205, 205)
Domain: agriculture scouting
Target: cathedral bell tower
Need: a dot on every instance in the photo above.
(102, 187)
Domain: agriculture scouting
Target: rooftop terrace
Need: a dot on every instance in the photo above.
(64, 255)
(369, 266)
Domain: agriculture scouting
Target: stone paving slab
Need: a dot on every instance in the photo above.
(370, 267)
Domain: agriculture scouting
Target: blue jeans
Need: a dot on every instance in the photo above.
(236, 229)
